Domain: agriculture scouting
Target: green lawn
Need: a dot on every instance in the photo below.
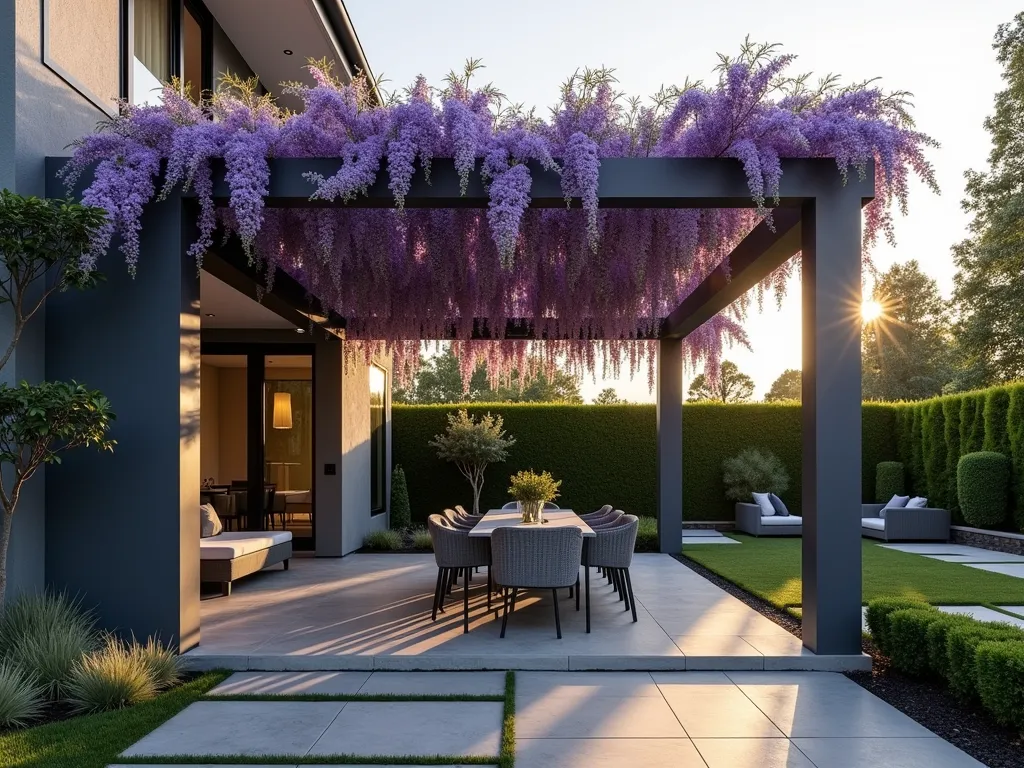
(94, 741)
(770, 568)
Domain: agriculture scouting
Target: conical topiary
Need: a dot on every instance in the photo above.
(401, 513)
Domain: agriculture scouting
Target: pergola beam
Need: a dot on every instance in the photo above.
(760, 253)
(624, 182)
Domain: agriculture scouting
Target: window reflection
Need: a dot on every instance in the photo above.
(378, 384)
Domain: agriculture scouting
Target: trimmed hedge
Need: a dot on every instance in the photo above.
(605, 454)
(982, 481)
(889, 480)
(878, 617)
(907, 638)
(401, 515)
(961, 649)
(978, 659)
(1000, 669)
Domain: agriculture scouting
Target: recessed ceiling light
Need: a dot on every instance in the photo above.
(300, 330)
(210, 314)
(288, 51)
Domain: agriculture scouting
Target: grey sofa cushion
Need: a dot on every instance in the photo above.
(874, 523)
(897, 502)
(918, 502)
(764, 503)
(209, 521)
(778, 506)
(776, 520)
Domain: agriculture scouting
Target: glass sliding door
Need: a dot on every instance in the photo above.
(378, 439)
(288, 444)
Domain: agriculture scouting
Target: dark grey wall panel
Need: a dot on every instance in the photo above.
(123, 528)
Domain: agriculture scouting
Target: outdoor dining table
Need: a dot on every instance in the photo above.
(553, 518)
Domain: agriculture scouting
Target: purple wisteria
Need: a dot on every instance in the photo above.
(576, 274)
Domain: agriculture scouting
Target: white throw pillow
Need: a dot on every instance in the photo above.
(918, 502)
(763, 500)
(897, 502)
(209, 521)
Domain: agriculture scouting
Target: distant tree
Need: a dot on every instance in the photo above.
(905, 352)
(439, 380)
(607, 396)
(732, 386)
(989, 290)
(787, 387)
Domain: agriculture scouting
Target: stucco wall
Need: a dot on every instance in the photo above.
(40, 114)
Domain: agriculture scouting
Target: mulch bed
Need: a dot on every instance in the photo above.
(929, 703)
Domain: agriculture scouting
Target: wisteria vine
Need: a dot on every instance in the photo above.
(576, 275)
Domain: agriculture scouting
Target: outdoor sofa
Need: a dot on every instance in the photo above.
(904, 523)
(229, 556)
(750, 520)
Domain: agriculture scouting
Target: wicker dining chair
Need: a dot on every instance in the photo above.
(612, 550)
(510, 505)
(455, 552)
(461, 510)
(535, 558)
(598, 514)
(551, 505)
(454, 518)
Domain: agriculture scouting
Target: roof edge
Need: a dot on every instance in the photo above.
(343, 28)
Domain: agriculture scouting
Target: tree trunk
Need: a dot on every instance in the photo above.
(477, 487)
(5, 539)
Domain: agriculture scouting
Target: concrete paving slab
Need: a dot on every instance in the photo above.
(986, 556)
(553, 717)
(1017, 609)
(576, 686)
(436, 683)
(716, 710)
(709, 533)
(240, 728)
(1007, 569)
(751, 753)
(930, 752)
(606, 753)
(935, 549)
(816, 705)
(417, 728)
(291, 683)
(708, 540)
(981, 613)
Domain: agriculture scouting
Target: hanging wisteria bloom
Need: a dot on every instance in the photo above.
(593, 283)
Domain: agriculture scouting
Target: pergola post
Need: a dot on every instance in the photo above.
(670, 445)
(831, 269)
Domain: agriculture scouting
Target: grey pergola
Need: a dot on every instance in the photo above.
(819, 214)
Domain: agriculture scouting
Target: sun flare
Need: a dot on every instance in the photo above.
(870, 310)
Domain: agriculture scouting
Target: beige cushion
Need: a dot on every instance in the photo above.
(210, 524)
(874, 523)
(232, 544)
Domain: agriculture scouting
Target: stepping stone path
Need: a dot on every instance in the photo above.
(705, 536)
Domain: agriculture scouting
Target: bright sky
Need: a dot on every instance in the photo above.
(940, 50)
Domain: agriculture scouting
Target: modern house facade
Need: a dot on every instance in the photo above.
(212, 382)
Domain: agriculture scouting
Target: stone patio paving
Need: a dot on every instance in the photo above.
(366, 612)
(570, 719)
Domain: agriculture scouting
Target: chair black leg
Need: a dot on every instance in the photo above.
(444, 589)
(586, 581)
(511, 609)
(490, 588)
(622, 584)
(632, 600)
(504, 611)
(437, 595)
(577, 591)
(623, 594)
(558, 622)
(465, 601)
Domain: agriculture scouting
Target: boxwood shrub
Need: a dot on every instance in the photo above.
(937, 631)
(907, 638)
(962, 643)
(983, 484)
(1000, 669)
(878, 617)
(889, 480)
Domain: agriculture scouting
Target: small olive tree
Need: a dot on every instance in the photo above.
(754, 471)
(41, 243)
(471, 445)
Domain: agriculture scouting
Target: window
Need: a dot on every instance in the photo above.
(378, 438)
(151, 48)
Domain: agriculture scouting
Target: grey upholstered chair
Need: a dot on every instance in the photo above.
(612, 549)
(455, 552)
(598, 514)
(535, 558)
(611, 518)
